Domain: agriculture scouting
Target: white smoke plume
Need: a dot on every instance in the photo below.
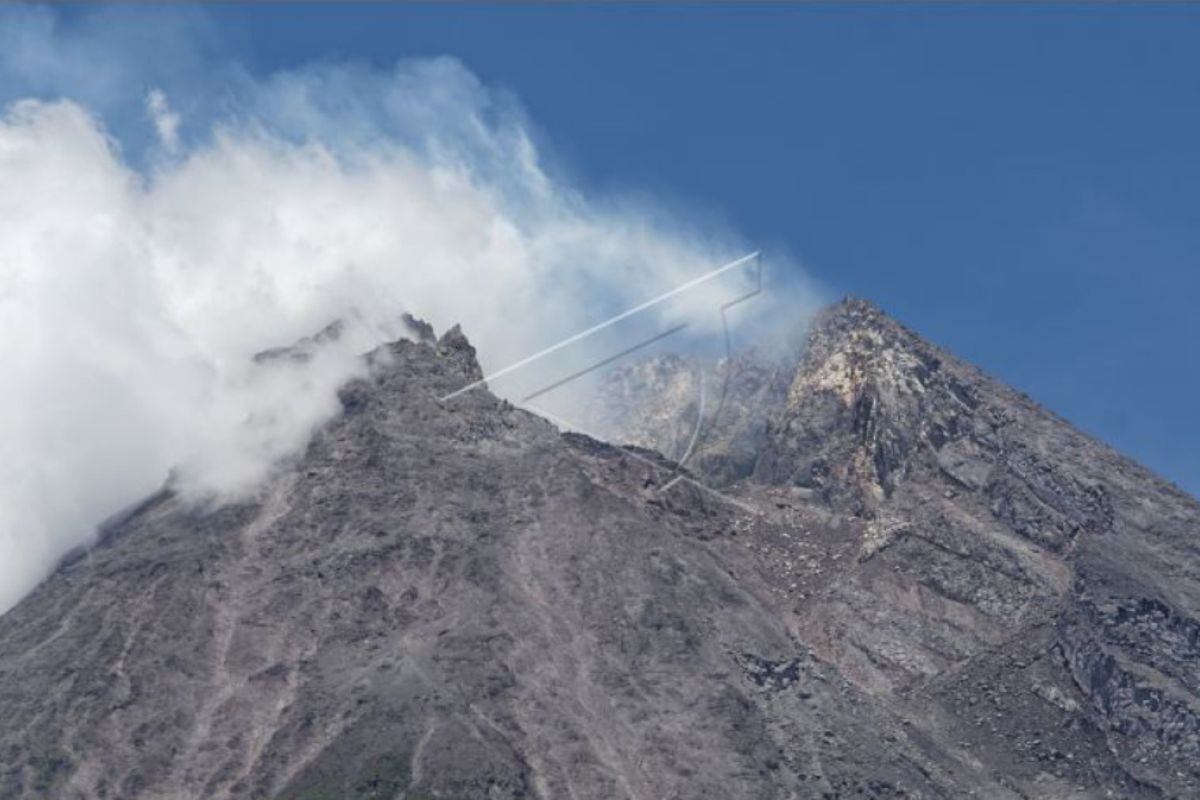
(166, 121)
(135, 288)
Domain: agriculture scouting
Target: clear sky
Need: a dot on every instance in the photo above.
(1019, 184)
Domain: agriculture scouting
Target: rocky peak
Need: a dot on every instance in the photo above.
(303, 350)
(854, 348)
(455, 345)
(867, 395)
(421, 330)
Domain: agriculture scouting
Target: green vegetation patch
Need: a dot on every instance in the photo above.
(48, 768)
(383, 779)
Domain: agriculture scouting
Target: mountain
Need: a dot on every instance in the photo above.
(878, 573)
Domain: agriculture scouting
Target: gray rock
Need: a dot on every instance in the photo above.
(913, 582)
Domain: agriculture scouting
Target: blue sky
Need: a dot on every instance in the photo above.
(1019, 184)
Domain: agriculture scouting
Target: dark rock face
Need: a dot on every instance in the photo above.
(713, 417)
(303, 350)
(938, 590)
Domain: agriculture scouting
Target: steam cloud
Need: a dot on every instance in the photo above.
(137, 283)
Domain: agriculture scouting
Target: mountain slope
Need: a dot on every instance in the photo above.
(1032, 593)
(941, 591)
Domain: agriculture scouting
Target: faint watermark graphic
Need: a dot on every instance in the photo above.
(748, 266)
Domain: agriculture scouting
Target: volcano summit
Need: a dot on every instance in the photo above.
(928, 587)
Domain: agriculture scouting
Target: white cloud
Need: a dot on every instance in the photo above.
(131, 301)
(166, 121)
